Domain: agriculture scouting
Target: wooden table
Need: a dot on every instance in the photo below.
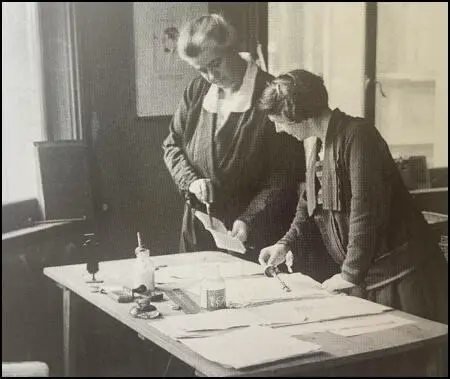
(336, 351)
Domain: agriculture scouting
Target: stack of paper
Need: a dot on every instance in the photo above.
(250, 346)
(220, 233)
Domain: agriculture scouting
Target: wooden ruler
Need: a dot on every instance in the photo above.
(180, 298)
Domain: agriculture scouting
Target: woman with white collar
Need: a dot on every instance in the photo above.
(222, 149)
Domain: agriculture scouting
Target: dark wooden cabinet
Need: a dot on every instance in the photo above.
(65, 190)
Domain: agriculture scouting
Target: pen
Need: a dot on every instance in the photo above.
(283, 284)
(271, 271)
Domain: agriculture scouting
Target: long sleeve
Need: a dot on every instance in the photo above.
(369, 202)
(275, 200)
(175, 158)
(300, 219)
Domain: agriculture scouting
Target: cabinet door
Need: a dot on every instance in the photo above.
(411, 79)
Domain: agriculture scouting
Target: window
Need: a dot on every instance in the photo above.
(411, 109)
(22, 100)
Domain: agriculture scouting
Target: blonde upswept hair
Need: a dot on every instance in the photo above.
(208, 31)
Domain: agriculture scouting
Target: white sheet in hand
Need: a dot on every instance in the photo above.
(220, 234)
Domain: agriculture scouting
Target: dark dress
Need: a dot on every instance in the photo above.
(369, 223)
(254, 170)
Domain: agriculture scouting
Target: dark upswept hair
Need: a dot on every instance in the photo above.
(296, 95)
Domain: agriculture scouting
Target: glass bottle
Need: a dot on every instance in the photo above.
(144, 271)
(213, 294)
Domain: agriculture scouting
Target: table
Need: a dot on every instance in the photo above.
(335, 351)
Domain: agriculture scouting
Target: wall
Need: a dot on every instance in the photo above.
(325, 38)
(133, 189)
(441, 90)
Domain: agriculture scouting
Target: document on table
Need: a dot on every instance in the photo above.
(316, 310)
(220, 234)
(208, 323)
(257, 289)
(171, 274)
(382, 322)
(348, 327)
(250, 346)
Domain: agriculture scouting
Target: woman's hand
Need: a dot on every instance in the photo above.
(273, 255)
(336, 284)
(239, 230)
(203, 190)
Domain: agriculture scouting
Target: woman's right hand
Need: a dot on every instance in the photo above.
(273, 255)
(203, 190)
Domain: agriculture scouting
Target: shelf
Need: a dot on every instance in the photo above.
(406, 78)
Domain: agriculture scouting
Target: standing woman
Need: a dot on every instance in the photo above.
(223, 150)
(355, 195)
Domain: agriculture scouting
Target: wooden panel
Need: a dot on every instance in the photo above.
(432, 199)
(438, 177)
(16, 215)
(64, 180)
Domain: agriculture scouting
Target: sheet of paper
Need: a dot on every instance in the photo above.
(257, 290)
(180, 334)
(382, 322)
(300, 281)
(220, 234)
(337, 306)
(279, 314)
(339, 326)
(216, 226)
(173, 274)
(207, 323)
(227, 242)
(250, 346)
(315, 310)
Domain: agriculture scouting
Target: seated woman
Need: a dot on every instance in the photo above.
(222, 150)
(355, 195)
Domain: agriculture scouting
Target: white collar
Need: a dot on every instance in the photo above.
(239, 101)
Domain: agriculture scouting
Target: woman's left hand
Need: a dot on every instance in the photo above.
(239, 230)
(336, 284)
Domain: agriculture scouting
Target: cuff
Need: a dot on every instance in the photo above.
(285, 242)
(355, 277)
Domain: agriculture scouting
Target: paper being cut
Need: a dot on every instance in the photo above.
(220, 234)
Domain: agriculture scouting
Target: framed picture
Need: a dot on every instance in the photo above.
(161, 75)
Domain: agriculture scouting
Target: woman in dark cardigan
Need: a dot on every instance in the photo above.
(355, 195)
(222, 150)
